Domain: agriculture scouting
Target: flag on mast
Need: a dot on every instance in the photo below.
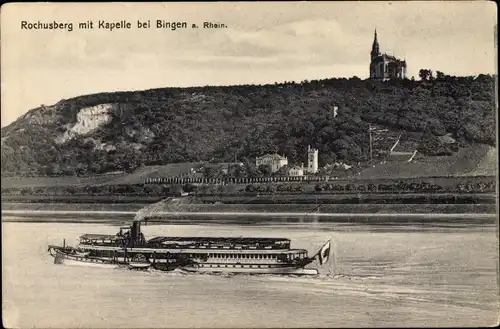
(324, 253)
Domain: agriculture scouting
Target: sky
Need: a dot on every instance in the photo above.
(263, 43)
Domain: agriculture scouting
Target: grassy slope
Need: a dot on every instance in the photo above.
(478, 160)
(20, 182)
(487, 165)
(140, 174)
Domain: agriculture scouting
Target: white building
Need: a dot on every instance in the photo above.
(275, 160)
(296, 171)
(312, 160)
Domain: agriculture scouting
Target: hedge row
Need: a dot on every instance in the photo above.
(159, 190)
(401, 187)
(275, 188)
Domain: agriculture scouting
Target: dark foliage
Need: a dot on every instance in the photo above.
(403, 187)
(220, 123)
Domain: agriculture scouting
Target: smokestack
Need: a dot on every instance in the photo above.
(136, 229)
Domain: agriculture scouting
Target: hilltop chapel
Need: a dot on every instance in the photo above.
(383, 66)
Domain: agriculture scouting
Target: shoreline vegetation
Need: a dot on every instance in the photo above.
(424, 200)
(477, 189)
(355, 207)
(337, 199)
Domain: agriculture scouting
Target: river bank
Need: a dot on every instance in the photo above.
(167, 211)
(175, 207)
(263, 198)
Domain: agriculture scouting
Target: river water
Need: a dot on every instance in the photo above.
(386, 276)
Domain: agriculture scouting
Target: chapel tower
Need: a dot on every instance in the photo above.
(375, 47)
(384, 66)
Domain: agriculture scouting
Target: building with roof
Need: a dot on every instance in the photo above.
(384, 66)
(275, 160)
(296, 171)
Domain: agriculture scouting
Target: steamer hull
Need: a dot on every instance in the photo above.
(70, 260)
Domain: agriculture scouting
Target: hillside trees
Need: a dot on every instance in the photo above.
(430, 144)
(218, 123)
(425, 74)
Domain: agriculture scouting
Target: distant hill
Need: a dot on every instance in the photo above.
(122, 130)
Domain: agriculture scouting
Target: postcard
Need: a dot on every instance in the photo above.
(249, 164)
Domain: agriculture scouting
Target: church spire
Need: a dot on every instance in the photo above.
(375, 46)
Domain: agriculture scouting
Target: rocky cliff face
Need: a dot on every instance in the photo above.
(88, 119)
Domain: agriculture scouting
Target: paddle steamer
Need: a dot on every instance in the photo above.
(195, 254)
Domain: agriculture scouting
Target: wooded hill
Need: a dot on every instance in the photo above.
(223, 123)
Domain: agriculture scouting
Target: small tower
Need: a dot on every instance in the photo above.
(312, 160)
